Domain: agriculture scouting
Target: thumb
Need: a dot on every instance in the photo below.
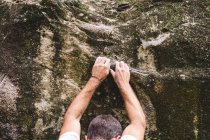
(112, 72)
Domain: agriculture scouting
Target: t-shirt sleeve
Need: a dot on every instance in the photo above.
(128, 137)
(69, 136)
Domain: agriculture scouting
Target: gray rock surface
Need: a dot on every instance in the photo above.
(47, 49)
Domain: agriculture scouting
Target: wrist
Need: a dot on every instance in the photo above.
(124, 86)
(96, 77)
(95, 80)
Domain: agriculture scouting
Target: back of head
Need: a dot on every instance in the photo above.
(104, 127)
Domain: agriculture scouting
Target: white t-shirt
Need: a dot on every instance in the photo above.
(75, 136)
(69, 136)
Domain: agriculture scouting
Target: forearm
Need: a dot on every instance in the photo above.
(75, 111)
(133, 107)
(80, 103)
(136, 115)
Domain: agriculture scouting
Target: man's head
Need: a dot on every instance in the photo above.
(104, 127)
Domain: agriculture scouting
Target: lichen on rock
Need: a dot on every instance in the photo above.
(48, 48)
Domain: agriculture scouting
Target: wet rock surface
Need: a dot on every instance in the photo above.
(48, 47)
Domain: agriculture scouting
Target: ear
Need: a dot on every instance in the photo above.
(86, 137)
(116, 138)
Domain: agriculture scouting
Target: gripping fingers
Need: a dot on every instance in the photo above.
(117, 67)
(103, 60)
(127, 68)
(107, 62)
(121, 64)
(98, 60)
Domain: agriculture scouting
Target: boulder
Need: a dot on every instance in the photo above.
(48, 48)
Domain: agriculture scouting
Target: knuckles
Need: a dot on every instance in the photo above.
(101, 66)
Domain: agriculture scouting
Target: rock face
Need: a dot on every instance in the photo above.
(48, 47)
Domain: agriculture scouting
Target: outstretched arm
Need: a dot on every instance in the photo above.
(78, 106)
(136, 115)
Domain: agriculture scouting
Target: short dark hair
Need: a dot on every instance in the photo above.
(104, 127)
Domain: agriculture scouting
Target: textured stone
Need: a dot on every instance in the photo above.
(48, 47)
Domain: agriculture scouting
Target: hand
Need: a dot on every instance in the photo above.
(101, 68)
(121, 74)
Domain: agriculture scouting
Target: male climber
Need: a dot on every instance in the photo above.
(105, 127)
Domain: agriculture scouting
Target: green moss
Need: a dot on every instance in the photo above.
(4, 14)
(125, 1)
(173, 22)
(176, 107)
(80, 69)
(26, 121)
(208, 9)
(172, 15)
